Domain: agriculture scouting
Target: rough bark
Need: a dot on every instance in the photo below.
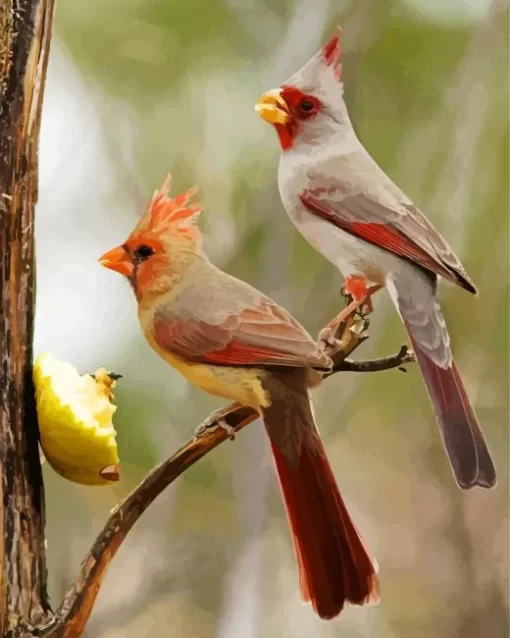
(25, 29)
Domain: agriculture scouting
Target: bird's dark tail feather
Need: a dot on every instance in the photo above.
(462, 437)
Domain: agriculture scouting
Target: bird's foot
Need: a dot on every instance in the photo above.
(359, 305)
(229, 429)
(214, 421)
(328, 341)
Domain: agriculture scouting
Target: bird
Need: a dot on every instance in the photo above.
(230, 340)
(352, 213)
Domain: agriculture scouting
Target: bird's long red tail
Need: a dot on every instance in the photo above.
(334, 566)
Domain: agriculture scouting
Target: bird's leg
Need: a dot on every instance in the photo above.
(355, 290)
(329, 333)
(217, 420)
(356, 287)
(367, 306)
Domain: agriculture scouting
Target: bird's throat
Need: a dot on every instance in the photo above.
(286, 134)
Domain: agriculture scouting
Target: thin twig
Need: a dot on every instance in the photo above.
(403, 356)
(71, 617)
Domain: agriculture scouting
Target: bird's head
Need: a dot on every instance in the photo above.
(309, 106)
(163, 244)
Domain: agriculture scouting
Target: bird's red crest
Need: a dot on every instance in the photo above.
(169, 210)
(332, 53)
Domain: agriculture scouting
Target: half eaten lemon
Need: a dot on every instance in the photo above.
(75, 421)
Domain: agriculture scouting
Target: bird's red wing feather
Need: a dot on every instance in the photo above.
(382, 235)
(240, 353)
(265, 335)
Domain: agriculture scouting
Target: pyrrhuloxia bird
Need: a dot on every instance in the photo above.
(232, 341)
(352, 213)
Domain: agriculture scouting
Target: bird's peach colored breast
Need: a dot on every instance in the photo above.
(243, 385)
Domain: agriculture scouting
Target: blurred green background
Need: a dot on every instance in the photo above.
(139, 87)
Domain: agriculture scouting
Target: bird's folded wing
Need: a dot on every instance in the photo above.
(258, 336)
(401, 229)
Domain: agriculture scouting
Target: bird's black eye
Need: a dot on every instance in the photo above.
(306, 106)
(144, 252)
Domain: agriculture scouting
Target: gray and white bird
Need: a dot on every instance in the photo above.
(353, 214)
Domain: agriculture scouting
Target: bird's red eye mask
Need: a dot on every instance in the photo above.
(300, 105)
(287, 108)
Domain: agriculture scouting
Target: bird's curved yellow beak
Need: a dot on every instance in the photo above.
(273, 108)
(117, 259)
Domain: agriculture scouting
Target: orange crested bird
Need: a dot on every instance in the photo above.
(232, 341)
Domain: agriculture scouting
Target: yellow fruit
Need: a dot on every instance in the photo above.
(75, 421)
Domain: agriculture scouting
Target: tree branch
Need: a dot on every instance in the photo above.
(70, 619)
(25, 32)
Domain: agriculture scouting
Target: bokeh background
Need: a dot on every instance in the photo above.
(138, 87)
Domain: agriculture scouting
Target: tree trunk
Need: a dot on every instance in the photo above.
(25, 30)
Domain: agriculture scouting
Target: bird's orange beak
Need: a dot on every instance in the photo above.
(273, 108)
(117, 259)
